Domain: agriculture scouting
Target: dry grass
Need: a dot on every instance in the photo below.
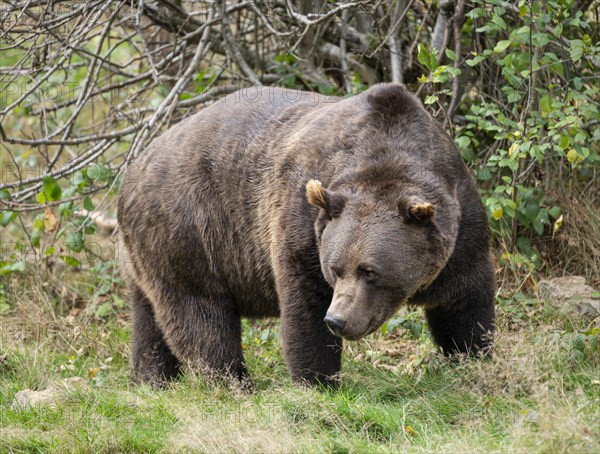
(397, 394)
(575, 250)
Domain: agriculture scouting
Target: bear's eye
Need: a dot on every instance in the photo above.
(336, 272)
(367, 273)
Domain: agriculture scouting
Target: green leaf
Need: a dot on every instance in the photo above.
(35, 236)
(50, 191)
(74, 241)
(576, 50)
(38, 222)
(558, 30)
(70, 261)
(422, 79)
(98, 172)
(431, 99)
(532, 210)
(204, 84)
(285, 58)
(501, 46)
(522, 10)
(538, 226)
(579, 342)
(497, 20)
(540, 39)
(87, 204)
(79, 178)
(427, 58)
(521, 35)
(545, 106)
(463, 141)
(12, 267)
(451, 55)
(415, 329)
(486, 28)
(476, 13)
(423, 54)
(395, 323)
(4, 194)
(475, 61)
(201, 74)
(327, 89)
(103, 310)
(554, 212)
(454, 71)
(7, 217)
(540, 221)
(484, 174)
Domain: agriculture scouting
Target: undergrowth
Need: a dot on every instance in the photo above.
(538, 393)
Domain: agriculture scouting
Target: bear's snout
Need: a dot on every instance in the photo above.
(335, 324)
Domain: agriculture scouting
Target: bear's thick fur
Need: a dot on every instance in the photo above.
(327, 212)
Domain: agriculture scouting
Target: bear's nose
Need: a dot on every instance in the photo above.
(335, 324)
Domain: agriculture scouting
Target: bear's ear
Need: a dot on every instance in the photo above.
(331, 202)
(392, 100)
(415, 209)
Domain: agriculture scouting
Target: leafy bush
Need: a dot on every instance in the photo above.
(514, 83)
(528, 123)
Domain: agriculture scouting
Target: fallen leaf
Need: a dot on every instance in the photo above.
(50, 220)
(557, 225)
(75, 311)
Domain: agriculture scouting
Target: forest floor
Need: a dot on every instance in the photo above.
(540, 392)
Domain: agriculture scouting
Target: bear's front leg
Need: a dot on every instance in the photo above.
(466, 326)
(313, 354)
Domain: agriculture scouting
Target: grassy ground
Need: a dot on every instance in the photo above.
(539, 393)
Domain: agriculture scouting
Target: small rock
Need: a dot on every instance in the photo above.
(561, 288)
(570, 294)
(54, 394)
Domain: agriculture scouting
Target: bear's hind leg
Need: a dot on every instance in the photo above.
(153, 361)
(465, 327)
(205, 335)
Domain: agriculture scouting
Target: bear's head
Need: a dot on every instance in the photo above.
(375, 253)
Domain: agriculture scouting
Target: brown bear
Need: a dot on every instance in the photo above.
(330, 213)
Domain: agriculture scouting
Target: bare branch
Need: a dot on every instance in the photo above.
(319, 18)
(234, 49)
(456, 83)
(439, 39)
(343, 56)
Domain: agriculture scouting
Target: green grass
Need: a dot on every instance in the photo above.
(539, 393)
